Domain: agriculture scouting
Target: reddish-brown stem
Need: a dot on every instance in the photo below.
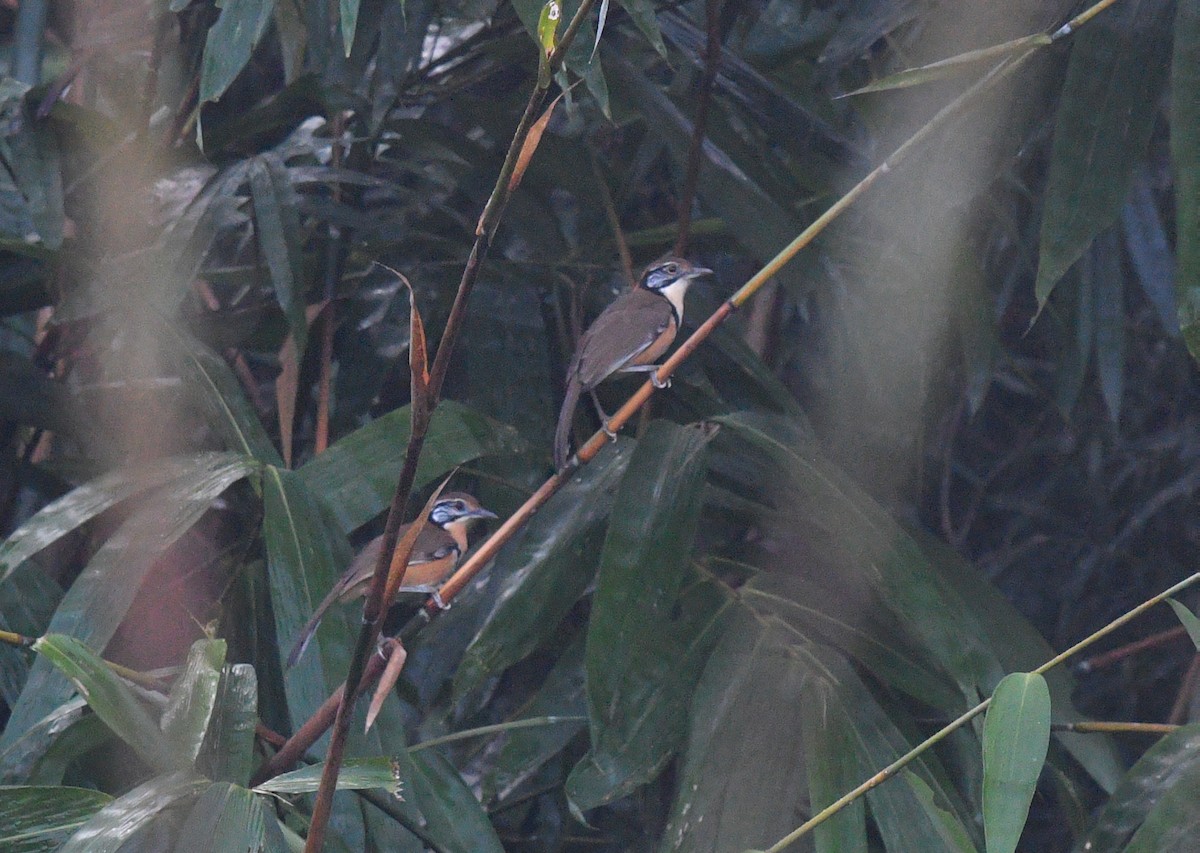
(374, 606)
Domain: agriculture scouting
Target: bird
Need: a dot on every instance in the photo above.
(627, 337)
(435, 555)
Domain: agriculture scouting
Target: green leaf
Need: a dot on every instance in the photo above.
(228, 750)
(526, 750)
(118, 821)
(1109, 307)
(1016, 735)
(642, 13)
(40, 754)
(1188, 619)
(229, 817)
(348, 14)
(953, 66)
(33, 158)
(100, 597)
(27, 602)
(305, 554)
(279, 235)
(356, 774)
(1174, 760)
(357, 474)
(230, 42)
(952, 833)
(545, 569)
(113, 700)
(642, 661)
(1173, 822)
(221, 398)
(1108, 105)
(1185, 155)
(35, 819)
(78, 506)
(192, 698)
(453, 815)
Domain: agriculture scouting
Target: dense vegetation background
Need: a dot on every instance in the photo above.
(956, 432)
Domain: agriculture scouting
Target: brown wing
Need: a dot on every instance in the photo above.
(626, 329)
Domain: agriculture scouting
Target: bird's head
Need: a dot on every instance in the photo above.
(457, 508)
(670, 277)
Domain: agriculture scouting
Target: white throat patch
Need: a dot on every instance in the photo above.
(674, 293)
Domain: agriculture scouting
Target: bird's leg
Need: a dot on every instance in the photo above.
(600, 413)
(652, 369)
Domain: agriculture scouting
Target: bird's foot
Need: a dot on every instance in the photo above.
(437, 599)
(612, 436)
(659, 383)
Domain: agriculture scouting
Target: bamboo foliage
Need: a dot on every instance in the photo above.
(318, 259)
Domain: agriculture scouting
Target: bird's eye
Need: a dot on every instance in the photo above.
(459, 506)
(671, 269)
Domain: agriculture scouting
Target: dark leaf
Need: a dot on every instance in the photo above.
(1108, 104)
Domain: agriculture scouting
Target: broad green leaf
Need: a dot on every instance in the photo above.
(1020, 648)
(828, 741)
(356, 773)
(1173, 822)
(33, 159)
(39, 756)
(452, 814)
(230, 42)
(745, 778)
(118, 821)
(526, 750)
(305, 554)
(867, 634)
(642, 13)
(35, 818)
(1108, 104)
(545, 570)
(227, 753)
(192, 698)
(357, 474)
(113, 700)
(78, 506)
(1188, 619)
(862, 540)
(1171, 762)
(947, 826)
(279, 236)
(752, 782)
(1016, 735)
(228, 817)
(222, 399)
(642, 659)
(1185, 156)
(27, 601)
(100, 597)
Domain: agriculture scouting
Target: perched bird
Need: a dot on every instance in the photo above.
(627, 337)
(442, 540)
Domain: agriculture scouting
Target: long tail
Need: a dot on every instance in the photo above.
(310, 627)
(566, 416)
